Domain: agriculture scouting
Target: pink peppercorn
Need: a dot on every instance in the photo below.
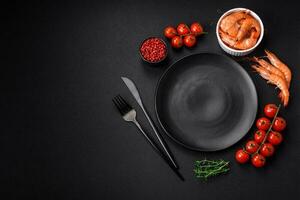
(153, 50)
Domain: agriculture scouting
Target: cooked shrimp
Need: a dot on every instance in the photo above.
(249, 24)
(227, 39)
(240, 30)
(264, 73)
(275, 80)
(233, 30)
(280, 65)
(230, 24)
(247, 43)
(269, 67)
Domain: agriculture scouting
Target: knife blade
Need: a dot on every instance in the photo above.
(132, 88)
(134, 91)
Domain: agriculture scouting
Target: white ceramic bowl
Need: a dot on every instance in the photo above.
(236, 52)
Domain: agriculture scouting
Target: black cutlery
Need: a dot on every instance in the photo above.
(132, 88)
(129, 114)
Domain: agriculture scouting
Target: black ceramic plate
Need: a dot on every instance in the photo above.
(206, 102)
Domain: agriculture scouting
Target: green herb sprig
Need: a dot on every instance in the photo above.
(208, 168)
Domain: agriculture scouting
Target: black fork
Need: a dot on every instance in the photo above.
(129, 114)
(122, 105)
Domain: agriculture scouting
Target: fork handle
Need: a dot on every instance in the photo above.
(145, 135)
(159, 137)
(158, 150)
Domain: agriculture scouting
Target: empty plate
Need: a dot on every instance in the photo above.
(206, 102)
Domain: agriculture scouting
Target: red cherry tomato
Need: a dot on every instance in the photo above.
(275, 138)
(176, 42)
(263, 123)
(259, 136)
(270, 110)
(258, 160)
(189, 40)
(183, 29)
(241, 156)
(170, 32)
(251, 146)
(279, 124)
(196, 29)
(267, 150)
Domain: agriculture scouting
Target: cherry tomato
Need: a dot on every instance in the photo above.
(270, 110)
(196, 29)
(258, 160)
(263, 123)
(176, 42)
(189, 40)
(241, 156)
(279, 124)
(267, 150)
(259, 136)
(275, 138)
(170, 32)
(251, 146)
(183, 29)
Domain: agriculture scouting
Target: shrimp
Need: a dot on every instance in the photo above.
(240, 30)
(280, 65)
(269, 67)
(233, 31)
(275, 80)
(264, 73)
(231, 23)
(247, 43)
(249, 24)
(227, 38)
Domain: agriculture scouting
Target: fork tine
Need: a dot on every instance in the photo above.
(118, 106)
(121, 104)
(126, 105)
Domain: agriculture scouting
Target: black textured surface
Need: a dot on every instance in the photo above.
(61, 138)
(199, 105)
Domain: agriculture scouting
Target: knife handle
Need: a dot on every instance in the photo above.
(159, 137)
(159, 151)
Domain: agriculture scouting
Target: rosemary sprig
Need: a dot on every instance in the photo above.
(208, 168)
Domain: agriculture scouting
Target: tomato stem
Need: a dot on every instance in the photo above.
(269, 130)
(203, 33)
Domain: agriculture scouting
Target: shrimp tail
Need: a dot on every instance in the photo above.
(284, 97)
(280, 95)
(285, 101)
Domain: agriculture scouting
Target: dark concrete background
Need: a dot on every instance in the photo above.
(61, 138)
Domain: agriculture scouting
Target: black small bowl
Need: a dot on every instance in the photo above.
(166, 54)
